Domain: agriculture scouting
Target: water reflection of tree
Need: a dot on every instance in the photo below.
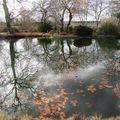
(108, 48)
(27, 43)
(62, 54)
(56, 50)
(12, 55)
(109, 43)
(65, 53)
(45, 42)
(58, 55)
(81, 42)
(17, 81)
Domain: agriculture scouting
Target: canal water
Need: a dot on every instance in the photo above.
(60, 76)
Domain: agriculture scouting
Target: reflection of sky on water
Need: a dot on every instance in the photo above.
(43, 66)
(89, 72)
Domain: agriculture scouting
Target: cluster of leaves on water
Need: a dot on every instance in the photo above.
(51, 106)
(55, 105)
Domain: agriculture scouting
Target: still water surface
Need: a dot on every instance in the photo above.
(79, 76)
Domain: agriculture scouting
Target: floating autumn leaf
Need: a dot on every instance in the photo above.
(62, 115)
(104, 83)
(91, 88)
(117, 90)
(51, 106)
(105, 86)
(74, 103)
(40, 109)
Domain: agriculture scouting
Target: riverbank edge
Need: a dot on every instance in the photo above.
(49, 35)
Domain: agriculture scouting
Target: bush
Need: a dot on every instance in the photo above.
(44, 27)
(83, 31)
(108, 28)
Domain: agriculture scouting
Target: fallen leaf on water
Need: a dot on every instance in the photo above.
(91, 88)
(74, 103)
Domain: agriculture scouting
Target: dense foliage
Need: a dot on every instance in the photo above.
(83, 31)
(108, 28)
(44, 27)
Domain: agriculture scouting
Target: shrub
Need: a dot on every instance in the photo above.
(108, 28)
(83, 31)
(44, 27)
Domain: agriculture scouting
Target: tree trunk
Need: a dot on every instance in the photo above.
(7, 16)
(69, 22)
(44, 16)
(62, 25)
(97, 24)
(62, 21)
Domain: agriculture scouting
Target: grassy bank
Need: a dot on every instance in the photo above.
(26, 117)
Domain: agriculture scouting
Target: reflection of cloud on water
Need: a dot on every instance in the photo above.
(80, 92)
(91, 71)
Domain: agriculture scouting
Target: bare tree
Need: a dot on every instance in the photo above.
(42, 7)
(26, 20)
(82, 9)
(97, 8)
(57, 10)
(7, 16)
(115, 6)
(62, 8)
(70, 7)
(57, 13)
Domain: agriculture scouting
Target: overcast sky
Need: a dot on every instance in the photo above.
(14, 6)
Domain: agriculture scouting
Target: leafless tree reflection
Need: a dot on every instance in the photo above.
(27, 64)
